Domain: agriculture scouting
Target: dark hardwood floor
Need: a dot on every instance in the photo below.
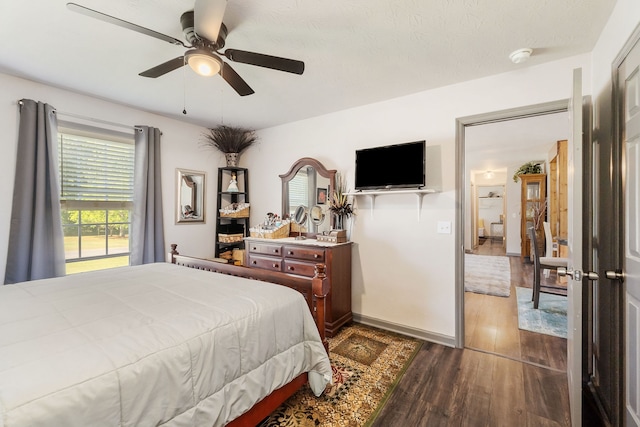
(505, 377)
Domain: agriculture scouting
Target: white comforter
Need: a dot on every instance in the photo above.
(150, 345)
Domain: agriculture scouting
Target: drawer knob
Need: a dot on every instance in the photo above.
(254, 262)
(290, 268)
(290, 253)
(275, 251)
(254, 248)
(316, 256)
(275, 266)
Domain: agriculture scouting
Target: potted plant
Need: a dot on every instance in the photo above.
(339, 203)
(527, 168)
(231, 141)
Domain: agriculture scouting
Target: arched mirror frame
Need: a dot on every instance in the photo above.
(330, 174)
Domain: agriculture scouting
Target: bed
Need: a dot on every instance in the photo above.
(158, 344)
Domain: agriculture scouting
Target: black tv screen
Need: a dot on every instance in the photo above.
(391, 166)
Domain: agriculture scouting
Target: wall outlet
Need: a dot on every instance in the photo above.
(444, 227)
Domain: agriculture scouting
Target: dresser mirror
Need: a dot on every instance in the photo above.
(300, 218)
(308, 184)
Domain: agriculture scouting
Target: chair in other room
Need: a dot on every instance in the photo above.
(551, 247)
(540, 263)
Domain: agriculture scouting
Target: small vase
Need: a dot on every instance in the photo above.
(232, 159)
(339, 222)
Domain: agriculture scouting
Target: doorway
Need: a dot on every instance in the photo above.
(498, 143)
(488, 212)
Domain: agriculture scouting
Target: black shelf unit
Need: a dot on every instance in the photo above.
(224, 224)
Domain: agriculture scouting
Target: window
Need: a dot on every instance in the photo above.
(299, 190)
(96, 180)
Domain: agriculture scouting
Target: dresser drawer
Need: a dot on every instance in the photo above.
(301, 268)
(266, 263)
(265, 248)
(305, 253)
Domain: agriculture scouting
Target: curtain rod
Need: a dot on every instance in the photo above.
(99, 121)
(90, 119)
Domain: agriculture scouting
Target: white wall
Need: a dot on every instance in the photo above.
(180, 149)
(403, 271)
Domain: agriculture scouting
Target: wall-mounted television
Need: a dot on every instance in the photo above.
(391, 166)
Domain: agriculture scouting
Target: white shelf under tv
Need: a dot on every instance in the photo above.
(372, 194)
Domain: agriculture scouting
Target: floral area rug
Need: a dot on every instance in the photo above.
(367, 364)
(549, 318)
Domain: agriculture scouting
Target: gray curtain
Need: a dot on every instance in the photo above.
(147, 232)
(36, 242)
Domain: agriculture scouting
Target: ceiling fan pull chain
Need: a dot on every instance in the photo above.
(221, 97)
(184, 89)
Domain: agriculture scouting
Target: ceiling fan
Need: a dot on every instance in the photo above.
(206, 33)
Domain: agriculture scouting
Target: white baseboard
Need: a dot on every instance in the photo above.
(449, 341)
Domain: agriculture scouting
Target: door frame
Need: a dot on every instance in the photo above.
(461, 196)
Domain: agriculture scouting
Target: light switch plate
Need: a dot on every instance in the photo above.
(444, 227)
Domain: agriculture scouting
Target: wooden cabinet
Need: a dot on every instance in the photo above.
(557, 190)
(231, 229)
(533, 201)
(299, 258)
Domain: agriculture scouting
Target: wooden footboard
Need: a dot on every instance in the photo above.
(313, 289)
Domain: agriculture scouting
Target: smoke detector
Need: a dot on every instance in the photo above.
(520, 55)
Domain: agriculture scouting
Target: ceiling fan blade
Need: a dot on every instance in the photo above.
(122, 23)
(164, 68)
(267, 61)
(235, 81)
(208, 16)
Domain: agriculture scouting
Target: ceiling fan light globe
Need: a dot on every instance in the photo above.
(203, 62)
(204, 68)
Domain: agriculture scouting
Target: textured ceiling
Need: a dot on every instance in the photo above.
(356, 52)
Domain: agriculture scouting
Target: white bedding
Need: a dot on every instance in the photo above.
(150, 345)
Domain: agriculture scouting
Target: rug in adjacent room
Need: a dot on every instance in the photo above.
(549, 318)
(486, 274)
(367, 364)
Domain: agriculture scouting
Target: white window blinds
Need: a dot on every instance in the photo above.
(298, 190)
(95, 169)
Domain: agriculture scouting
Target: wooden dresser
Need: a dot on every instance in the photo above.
(299, 257)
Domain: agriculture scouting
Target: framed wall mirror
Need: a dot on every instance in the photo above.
(308, 183)
(190, 196)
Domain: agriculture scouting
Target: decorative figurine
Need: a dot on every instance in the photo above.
(233, 184)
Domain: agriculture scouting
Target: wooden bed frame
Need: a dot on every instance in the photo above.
(313, 289)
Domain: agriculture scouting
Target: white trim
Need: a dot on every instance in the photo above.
(446, 340)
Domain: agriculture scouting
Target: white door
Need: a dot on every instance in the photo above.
(574, 284)
(630, 75)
